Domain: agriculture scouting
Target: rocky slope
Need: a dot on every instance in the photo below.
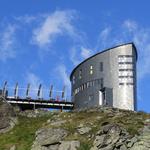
(7, 116)
(89, 129)
(95, 129)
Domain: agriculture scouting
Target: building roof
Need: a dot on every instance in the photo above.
(103, 52)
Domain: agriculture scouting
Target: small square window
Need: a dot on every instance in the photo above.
(73, 81)
(91, 69)
(102, 82)
(80, 74)
(101, 66)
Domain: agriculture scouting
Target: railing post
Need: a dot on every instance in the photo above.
(16, 91)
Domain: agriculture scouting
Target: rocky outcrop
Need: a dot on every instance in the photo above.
(112, 137)
(7, 116)
(143, 142)
(52, 139)
(83, 130)
(102, 127)
(109, 137)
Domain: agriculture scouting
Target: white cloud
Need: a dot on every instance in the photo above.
(85, 53)
(130, 31)
(130, 25)
(33, 79)
(74, 55)
(141, 38)
(56, 24)
(7, 43)
(63, 75)
(25, 19)
(105, 33)
(103, 38)
(34, 82)
(78, 53)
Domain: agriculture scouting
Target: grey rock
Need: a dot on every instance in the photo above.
(99, 141)
(58, 123)
(143, 142)
(80, 125)
(48, 137)
(84, 130)
(132, 141)
(13, 147)
(118, 144)
(139, 147)
(123, 147)
(69, 145)
(109, 137)
(8, 118)
(51, 147)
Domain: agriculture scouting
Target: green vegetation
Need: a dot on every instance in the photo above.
(85, 146)
(23, 134)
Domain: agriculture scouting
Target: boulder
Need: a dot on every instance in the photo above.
(48, 136)
(110, 137)
(13, 147)
(8, 117)
(69, 145)
(84, 130)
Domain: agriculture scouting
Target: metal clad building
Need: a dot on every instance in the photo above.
(107, 78)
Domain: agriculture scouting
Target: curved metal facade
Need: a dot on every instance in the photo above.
(107, 78)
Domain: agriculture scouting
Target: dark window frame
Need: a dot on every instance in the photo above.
(125, 56)
(101, 66)
(102, 82)
(125, 63)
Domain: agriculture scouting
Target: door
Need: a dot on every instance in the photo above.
(100, 98)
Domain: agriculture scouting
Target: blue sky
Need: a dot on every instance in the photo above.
(42, 41)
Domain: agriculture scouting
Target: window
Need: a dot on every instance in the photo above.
(88, 84)
(130, 83)
(125, 62)
(121, 83)
(73, 81)
(125, 56)
(101, 66)
(91, 69)
(82, 87)
(102, 82)
(125, 76)
(125, 69)
(80, 74)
